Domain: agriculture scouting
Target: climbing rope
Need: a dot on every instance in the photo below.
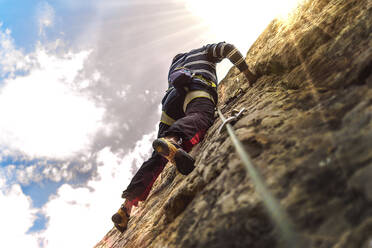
(276, 212)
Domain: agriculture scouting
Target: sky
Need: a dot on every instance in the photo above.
(80, 90)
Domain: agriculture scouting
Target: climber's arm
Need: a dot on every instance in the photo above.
(225, 50)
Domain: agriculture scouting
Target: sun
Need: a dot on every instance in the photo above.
(239, 22)
(239, 17)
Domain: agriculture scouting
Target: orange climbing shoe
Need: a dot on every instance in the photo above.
(170, 150)
(121, 218)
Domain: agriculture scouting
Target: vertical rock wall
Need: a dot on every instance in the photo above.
(308, 129)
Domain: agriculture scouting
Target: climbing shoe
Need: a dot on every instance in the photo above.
(121, 219)
(170, 150)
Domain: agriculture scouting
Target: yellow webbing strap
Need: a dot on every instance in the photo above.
(195, 94)
(208, 82)
(166, 119)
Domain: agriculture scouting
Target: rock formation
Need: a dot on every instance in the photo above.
(308, 130)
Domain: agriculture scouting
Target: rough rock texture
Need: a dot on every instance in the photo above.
(308, 129)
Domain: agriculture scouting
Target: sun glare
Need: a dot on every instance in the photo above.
(228, 19)
(239, 22)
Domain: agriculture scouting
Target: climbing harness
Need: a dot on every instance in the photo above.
(166, 119)
(196, 94)
(276, 212)
(182, 76)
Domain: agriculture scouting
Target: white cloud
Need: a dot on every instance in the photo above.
(11, 59)
(84, 214)
(43, 113)
(45, 16)
(30, 173)
(42, 170)
(58, 172)
(17, 217)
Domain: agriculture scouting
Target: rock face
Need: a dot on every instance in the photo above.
(308, 130)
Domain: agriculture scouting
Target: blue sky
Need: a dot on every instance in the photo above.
(21, 18)
(80, 87)
(16, 16)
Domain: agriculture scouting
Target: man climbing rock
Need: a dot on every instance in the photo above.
(187, 113)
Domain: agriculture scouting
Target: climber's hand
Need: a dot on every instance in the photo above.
(252, 78)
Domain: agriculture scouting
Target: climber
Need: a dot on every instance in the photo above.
(187, 113)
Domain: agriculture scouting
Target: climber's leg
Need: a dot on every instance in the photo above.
(121, 218)
(199, 116)
(142, 181)
(190, 128)
(140, 186)
(169, 147)
(138, 189)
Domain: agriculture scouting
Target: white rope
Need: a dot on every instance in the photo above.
(276, 212)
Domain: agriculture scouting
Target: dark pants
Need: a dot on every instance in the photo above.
(191, 126)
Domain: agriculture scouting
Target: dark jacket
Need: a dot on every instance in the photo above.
(202, 63)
